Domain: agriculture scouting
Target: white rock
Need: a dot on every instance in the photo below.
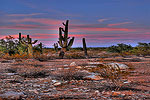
(93, 77)
(66, 65)
(118, 66)
(57, 84)
(73, 64)
(95, 63)
(10, 74)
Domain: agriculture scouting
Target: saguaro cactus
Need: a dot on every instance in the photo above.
(63, 40)
(20, 37)
(41, 49)
(84, 48)
(56, 47)
(29, 43)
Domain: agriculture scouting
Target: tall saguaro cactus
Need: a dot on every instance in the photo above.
(29, 43)
(64, 39)
(84, 48)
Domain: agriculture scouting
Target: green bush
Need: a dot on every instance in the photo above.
(120, 48)
(141, 49)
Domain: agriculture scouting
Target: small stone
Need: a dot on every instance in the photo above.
(57, 84)
(73, 64)
(78, 67)
(97, 92)
(10, 74)
(115, 93)
(93, 77)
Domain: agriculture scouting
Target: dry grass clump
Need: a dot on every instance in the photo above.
(70, 73)
(75, 55)
(108, 72)
(29, 69)
(80, 55)
(44, 57)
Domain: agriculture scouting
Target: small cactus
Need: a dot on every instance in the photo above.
(56, 47)
(29, 45)
(84, 48)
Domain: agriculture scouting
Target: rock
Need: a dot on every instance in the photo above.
(95, 63)
(91, 66)
(66, 65)
(10, 74)
(12, 95)
(97, 93)
(57, 84)
(93, 77)
(117, 94)
(73, 64)
(118, 66)
(78, 67)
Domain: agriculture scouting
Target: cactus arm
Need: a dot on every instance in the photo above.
(64, 24)
(28, 38)
(63, 30)
(34, 42)
(24, 42)
(60, 43)
(70, 43)
(60, 32)
(66, 29)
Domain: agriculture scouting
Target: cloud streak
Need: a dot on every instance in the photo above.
(102, 20)
(38, 20)
(117, 24)
(24, 15)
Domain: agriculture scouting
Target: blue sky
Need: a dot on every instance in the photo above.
(101, 22)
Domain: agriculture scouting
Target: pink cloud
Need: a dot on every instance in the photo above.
(24, 15)
(38, 20)
(28, 27)
(117, 24)
(105, 29)
(46, 36)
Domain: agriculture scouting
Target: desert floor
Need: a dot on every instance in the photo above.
(56, 79)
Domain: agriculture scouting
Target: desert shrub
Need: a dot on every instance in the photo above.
(71, 73)
(141, 49)
(108, 72)
(29, 69)
(9, 45)
(120, 48)
(45, 56)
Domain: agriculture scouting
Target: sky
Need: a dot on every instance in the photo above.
(101, 22)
